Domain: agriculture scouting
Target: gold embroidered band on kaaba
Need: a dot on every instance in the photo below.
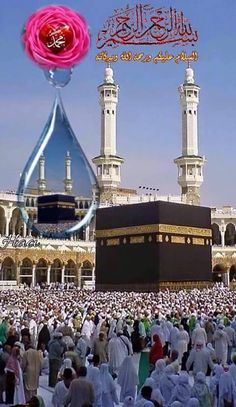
(57, 204)
(155, 228)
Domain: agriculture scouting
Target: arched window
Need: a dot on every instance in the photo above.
(70, 272)
(41, 271)
(230, 235)
(55, 276)
(216, 235)
(218, 272)
(26, 267)
(86, 272)
(26, 272)
(232, 273)
(8, 270)
(2, 221)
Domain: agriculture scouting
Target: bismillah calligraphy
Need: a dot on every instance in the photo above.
(144, 24)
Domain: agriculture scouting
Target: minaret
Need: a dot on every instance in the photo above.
(190, 164)
(68, 180)
(41, 179)
(108, 163)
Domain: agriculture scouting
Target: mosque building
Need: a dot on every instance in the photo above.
(73, 260)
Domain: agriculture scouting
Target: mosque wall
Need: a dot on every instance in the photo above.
(223, 222)
(37, 266)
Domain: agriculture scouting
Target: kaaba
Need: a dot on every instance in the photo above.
(154, 245)
(56, 208)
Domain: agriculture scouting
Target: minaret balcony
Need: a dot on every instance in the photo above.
(190, 181)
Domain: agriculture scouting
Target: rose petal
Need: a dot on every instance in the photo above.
(56, 16)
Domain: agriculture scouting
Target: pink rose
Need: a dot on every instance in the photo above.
(56, 37)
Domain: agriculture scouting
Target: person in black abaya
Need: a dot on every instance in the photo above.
(136, 338)
(44, 336)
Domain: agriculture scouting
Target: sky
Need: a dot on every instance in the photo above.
(149, 115)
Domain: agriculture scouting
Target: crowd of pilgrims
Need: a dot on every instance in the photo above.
(89, 344)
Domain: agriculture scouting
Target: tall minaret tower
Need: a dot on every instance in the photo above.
(190, 164)
(108, 163)
(68, 180)
(41, 179)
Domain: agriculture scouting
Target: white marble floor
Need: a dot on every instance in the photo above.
(44, 391)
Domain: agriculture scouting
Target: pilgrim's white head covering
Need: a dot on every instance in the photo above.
(169, 370)
(159, 369)
(90, 357)
(200, 378)
(106, 379)
(127, 375)
(148, 382)
(182, 391)
(67, 363)
(227, 387)
(93, 375)
(218, 371)
(210, 347)
(19, 345)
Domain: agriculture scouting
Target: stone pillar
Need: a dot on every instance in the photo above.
(63, 274)
(87, 234)
(1, 272)
(48, 274)
(226, 278)
(93, 275)
(7, 226)
(18, 274)
(24, 229)
(222, 232)
(79, 276)
(222, 239)
(13, 228)
(33, 275)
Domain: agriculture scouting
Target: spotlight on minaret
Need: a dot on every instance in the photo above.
(68, 180)
(41, 179)
(190, 163)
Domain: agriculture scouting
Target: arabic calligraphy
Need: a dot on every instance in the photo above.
(142, 57)
(57, 42)
(144, 24)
